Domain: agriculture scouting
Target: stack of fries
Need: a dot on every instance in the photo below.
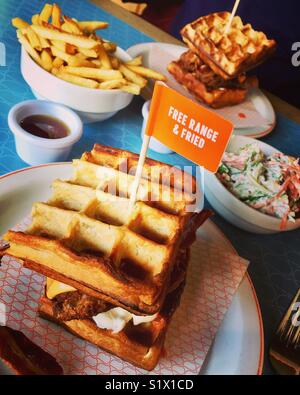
(72, 51)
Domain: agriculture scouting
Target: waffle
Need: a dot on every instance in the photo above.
(83, 236)
(140, 345)
(208, 87)
(230, 54)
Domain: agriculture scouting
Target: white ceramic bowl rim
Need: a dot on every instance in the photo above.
(75, 129)
(107, 92)
(146, 108)
(254, 215)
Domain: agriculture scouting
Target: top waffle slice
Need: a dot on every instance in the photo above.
(227, 54)
(85, 235)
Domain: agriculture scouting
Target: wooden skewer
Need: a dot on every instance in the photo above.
(146, 140)
(139, 171)
(235, 7)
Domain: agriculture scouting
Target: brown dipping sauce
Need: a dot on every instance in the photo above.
(45, 126)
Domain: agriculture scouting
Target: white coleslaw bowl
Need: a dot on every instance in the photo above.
(92, 105)
(234, 210)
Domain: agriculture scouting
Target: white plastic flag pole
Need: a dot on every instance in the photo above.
(139, 172)
(201, 204)
(235, 7)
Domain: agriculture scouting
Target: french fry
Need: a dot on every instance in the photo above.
(50, 26)
(135, 61)
(114, 62)
(46, 60)
(131, 88)
(35, 19)
(70, 59)
(57, 63)
(87, 63)
(72, 25)
(44, 42)
(85, 82)
(56, 16)
(59, 45)
(72, 49)
(97, 62)
(66, 28)
(91, 26)
(33, 38)
(97, 74)
(148, 73)
(32, 52)
(76, 61)
(103, 56)
(109, 46)
(19, 23)
(89, 53)
(84, 62)
(65, 47)
(46, 13)
(54, 71)
(113, 84)
(54, 34)
(132, 76)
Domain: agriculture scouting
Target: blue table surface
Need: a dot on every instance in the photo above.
(275, 259)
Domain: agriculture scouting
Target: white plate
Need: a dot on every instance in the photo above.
(259, 100)
(239, 344)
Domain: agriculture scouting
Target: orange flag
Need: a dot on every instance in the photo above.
(188, 128)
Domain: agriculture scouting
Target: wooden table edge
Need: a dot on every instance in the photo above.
(157, 34)
(136, 22)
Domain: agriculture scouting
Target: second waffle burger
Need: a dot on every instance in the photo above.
(214, 68)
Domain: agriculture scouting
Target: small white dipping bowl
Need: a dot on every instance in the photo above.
(37, 150)
(234, 210)
(154, 144)
(92, 105)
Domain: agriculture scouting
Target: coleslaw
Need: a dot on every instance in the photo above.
(270, 184)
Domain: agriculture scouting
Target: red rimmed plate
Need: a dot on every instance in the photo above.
(238, 347)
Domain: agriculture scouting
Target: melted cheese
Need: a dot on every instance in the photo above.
(54, 288)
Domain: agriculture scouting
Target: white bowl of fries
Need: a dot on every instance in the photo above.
(64, 61)
(92, 105)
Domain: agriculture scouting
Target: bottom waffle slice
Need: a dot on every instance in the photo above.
(140, 345)
(205, 85)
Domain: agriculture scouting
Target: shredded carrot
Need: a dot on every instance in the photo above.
(284, 220)
(278, 194)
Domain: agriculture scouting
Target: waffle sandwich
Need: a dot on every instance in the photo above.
(228, 55)
(207, 86)
(214, 68)
(114, 276)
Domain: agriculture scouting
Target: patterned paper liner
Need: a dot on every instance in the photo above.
(214, 276)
